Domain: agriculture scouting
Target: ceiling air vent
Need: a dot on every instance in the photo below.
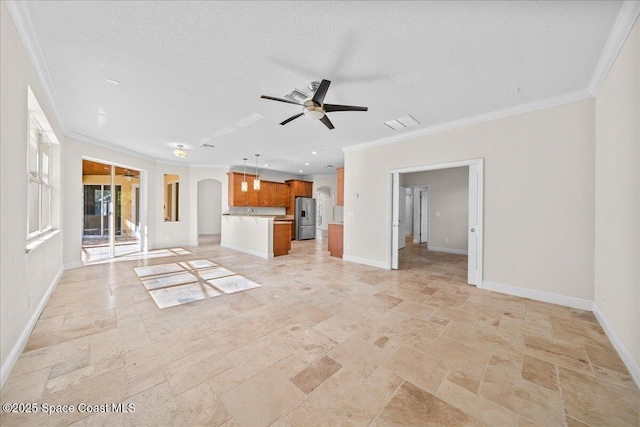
(402, 122)
(297, 95)
(327, 166)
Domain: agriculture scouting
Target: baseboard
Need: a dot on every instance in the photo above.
(248, 251)
(365, 261)
(16, 351)
(72, 265)
(573, 302)
(448, 250)
(626, 357)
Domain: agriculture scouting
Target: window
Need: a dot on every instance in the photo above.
(39, 180)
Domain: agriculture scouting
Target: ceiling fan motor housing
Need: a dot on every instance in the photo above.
(312, 110)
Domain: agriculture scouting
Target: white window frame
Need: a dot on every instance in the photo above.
(38, 178)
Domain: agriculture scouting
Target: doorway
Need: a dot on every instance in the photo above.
(111, 210)
(209, 207)
(423, 218)
(475, 214)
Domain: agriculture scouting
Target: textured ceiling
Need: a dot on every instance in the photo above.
(193, 72)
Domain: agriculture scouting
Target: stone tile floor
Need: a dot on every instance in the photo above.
(322, 342)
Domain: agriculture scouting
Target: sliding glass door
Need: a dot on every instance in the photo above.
(111, 211)
(97, 202)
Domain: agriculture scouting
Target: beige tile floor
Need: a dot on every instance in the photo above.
(322, 342)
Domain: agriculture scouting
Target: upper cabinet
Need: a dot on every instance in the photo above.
(271, 194)
(340, 179)
(281, 195)
(298, 188)
(237, 197)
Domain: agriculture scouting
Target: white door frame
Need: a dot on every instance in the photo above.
(476, 198)
(422, 192)
(395, 221)
(143, 235)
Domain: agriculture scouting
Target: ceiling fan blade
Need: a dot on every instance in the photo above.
(291, 118)
(318, 98)
(333, 107)
(327, 122)
(288, 101)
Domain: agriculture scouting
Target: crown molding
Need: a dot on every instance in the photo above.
(566, 98)
(22, 21)
(625, 21)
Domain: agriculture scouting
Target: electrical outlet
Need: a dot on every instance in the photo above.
(348, 246)
(29, 301)
(446, 240)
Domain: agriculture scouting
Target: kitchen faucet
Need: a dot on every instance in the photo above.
(249, 211)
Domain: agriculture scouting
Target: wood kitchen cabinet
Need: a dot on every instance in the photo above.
(281, 238)
(237, 197)
(271, 194)
(336, 236)
(298, 188)
(340, 183)
(281, 195)
(266, 194)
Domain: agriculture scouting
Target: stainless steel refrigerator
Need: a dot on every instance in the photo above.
(305, 218)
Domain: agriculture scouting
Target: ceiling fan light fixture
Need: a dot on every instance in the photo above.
(180, 151)
(313, 112)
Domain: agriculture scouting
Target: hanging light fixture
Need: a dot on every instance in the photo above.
(256, 180)
(180, 152)
(245, 186)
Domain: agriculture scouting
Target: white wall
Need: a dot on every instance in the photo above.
(209, 206)
(196, 175)
(328, 203)
(538, 195)
(21, 274)
(617, 197)
(72, 225)
(448, 205)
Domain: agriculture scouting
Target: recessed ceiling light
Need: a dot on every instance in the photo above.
(306, 164)
(301, 171)
(266, 165)
(314, 152)
(113, 82)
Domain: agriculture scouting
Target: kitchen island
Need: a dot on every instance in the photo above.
(262, 236)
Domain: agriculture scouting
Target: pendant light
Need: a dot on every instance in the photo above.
(256, 180)
(245, 186)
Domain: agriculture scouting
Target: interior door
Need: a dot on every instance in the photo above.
(402, 218)
(424, 216)
(395, 216)
(474, 271)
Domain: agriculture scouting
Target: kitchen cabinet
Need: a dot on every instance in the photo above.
(298, 188)
(340, 183)
(336, 236)
(281, 238)
(266, 195)
(237, 197)
(281, 195)
(271, 194)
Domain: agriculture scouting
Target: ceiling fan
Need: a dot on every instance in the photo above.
(129, 174)
(315, 108)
